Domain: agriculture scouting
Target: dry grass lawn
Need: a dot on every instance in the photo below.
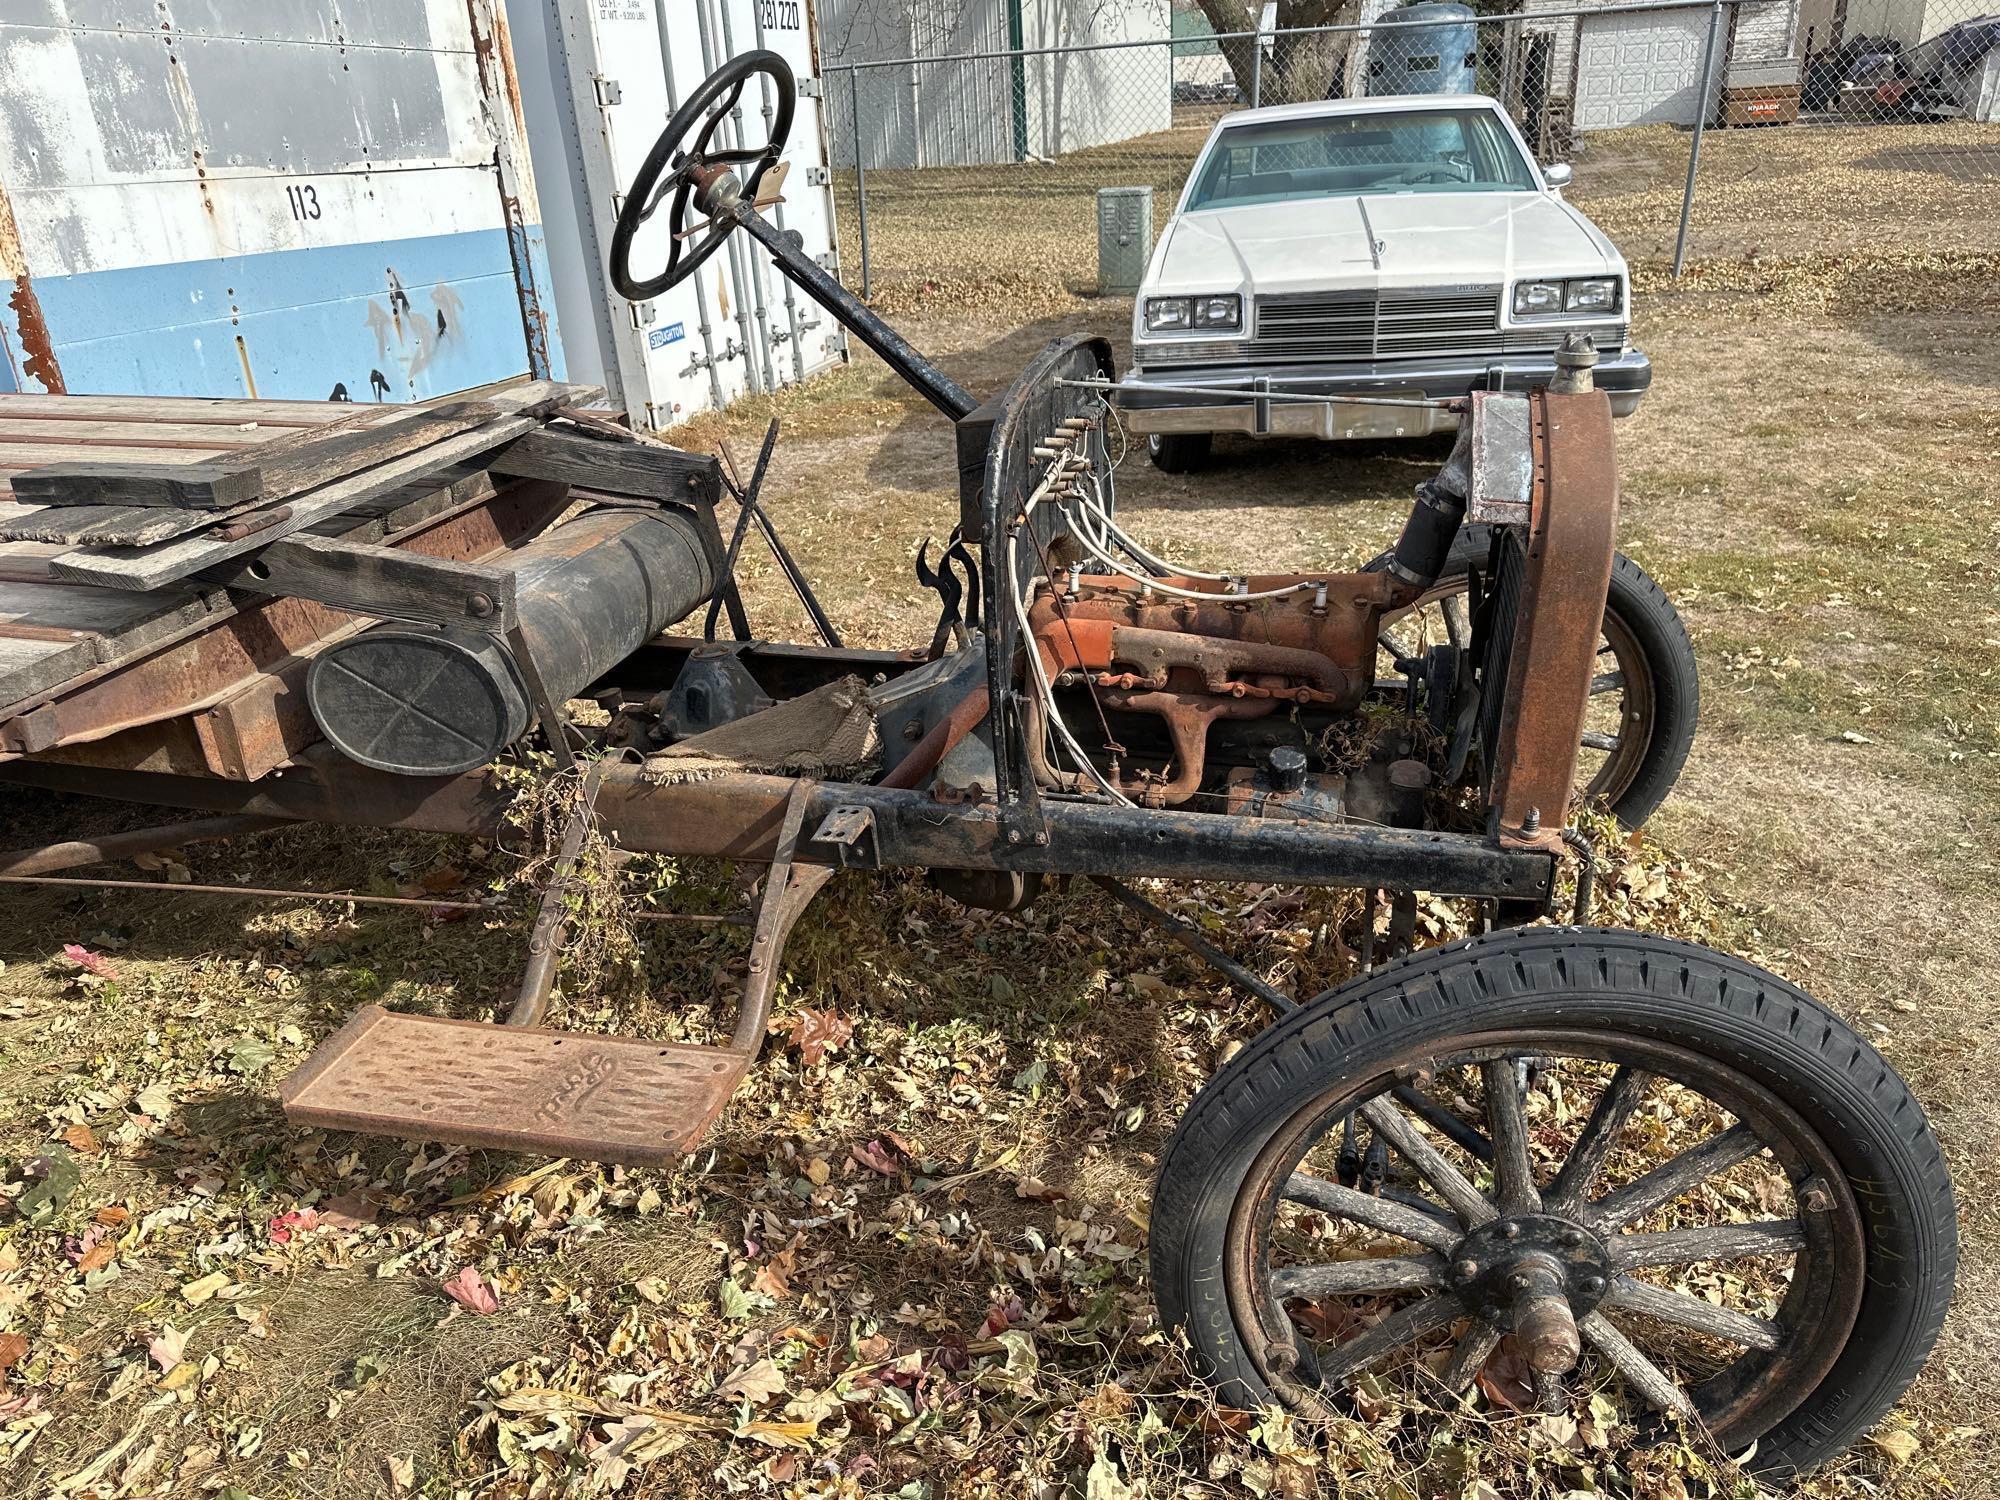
(914, 1265)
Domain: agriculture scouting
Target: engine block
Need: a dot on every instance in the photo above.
(1226, 654)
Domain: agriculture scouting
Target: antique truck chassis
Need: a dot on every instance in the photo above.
(1104, 714)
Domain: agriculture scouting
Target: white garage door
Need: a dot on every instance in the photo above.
(1639, 69)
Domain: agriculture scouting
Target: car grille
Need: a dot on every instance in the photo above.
(1368, 326)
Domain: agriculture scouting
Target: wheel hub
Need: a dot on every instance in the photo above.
(1515, 1270)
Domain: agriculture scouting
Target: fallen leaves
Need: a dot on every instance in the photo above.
(815, 1032)
(756, 1383)
(471, 1292)
(166, 1347)
(194, 1293)
(82, 960)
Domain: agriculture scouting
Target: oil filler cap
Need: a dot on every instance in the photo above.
(418, 702)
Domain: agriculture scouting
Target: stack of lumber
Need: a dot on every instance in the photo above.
(121, 517)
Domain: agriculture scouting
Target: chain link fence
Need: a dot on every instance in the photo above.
(969, 137)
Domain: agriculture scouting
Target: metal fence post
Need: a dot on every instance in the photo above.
(1703, 107)
(1257, 70)
(860, 181)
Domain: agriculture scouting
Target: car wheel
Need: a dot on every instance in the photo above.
(1645, 704)
(1735, 1208)
(1178, 452)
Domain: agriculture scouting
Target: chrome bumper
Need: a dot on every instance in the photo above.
(1150, 401)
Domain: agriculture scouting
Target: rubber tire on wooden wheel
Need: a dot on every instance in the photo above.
(1179, 452)
(1724, 1008)
(1655, 626)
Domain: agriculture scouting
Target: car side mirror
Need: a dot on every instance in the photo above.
(1558, 174)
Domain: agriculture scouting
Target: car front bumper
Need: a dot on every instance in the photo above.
(1152, 400)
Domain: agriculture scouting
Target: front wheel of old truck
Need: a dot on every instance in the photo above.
(1559, 1160)
(1645, 701)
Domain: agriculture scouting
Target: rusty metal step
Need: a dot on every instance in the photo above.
(513, 1088)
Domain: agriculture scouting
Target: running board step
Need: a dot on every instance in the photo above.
(513, 1088)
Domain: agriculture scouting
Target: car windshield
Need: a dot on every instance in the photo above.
(1418, 151)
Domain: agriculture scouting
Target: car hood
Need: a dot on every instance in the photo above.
(1418, 239)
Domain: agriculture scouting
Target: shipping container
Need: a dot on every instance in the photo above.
(599, 79)
(285, 199)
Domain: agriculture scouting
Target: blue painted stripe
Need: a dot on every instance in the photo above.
(296, 324)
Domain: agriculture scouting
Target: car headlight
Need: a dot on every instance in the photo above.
(1537, 299)
(1599, 294)
(1218, 312)
(1166, 313)
(1549, 299)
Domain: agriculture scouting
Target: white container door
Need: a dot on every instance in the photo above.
(600, 79)
(1642, 69)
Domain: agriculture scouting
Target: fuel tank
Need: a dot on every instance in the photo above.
(425, 701)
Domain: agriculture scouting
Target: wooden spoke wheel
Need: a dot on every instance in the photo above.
(1563, 1159)
(1645, 700)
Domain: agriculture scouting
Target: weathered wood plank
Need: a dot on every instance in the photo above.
(273, 471)
(26, 562)
(145, 568)
(32, 666)
(228, 409)
(386, 582)
(26, 458)
(167, 436)
(91, 627)
(93, 525)
(646, 470)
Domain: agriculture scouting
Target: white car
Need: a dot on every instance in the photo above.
(1399, 247)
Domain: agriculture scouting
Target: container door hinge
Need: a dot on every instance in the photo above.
(828, 262)
(818, 177)
(608, 92)
(811, 88)
(643, 314)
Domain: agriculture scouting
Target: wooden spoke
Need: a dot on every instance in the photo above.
(1671, 1179)
(1377, 1213)
(1439, 1310)
(1679, 1308)
(1422, 1205)
(1658, 1388)
(1506, 1117)
(1399, 1273)
(1450, 1184)
(1571, 1189)
(1457, 622)
(1607, 682)
(1551, 1392)
(1475, 1346)
(1443, 1120)
(1680, 1247)
(1597, 739)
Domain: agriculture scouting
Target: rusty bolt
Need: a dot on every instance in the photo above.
(1013, 835)
(1467, 1268)
(479, 606)
(1592, 1285)
(1281, 1357)
(1041, 838)
(914, 730)
(1573, 1238)
(1520, 1281)
(1815, 1199)
(1532, 823)
(1509, 1230)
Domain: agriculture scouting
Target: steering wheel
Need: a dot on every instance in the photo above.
(698, 175)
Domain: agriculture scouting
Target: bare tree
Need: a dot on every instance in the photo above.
(1298, 67)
